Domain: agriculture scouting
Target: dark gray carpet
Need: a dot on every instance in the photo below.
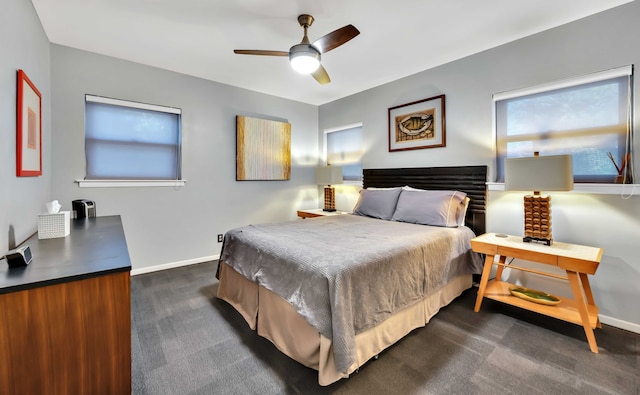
(185, 341)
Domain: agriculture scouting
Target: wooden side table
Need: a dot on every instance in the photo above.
(577, 261)
(317, 212)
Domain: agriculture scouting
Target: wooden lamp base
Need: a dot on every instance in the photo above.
(329, 199)
(537, 219)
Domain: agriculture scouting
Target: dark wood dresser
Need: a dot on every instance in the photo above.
(65, 319)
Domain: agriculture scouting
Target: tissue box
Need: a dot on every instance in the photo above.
(53, 225)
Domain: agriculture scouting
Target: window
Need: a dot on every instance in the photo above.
(588, 117)
(131, 141)
(344, 148)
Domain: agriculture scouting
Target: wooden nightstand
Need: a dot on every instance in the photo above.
(577, 261)
(317, 212)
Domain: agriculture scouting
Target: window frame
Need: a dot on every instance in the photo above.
(594, 78)
(179, 181)
(325, 151)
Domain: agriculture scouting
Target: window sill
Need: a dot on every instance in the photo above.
(599, 189)
(129, 183)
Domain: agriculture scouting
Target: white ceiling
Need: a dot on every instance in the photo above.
(397, 38)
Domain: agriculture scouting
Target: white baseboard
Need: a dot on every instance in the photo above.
(171, 265)
(627, 326)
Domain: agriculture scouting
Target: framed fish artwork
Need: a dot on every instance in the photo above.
(417, 125)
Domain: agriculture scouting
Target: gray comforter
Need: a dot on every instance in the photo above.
(346, 273)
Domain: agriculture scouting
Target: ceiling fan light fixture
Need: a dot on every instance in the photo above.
(304, 58)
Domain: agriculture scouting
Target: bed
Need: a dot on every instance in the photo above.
(333, 292)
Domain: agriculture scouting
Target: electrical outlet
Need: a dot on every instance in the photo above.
(220, 238)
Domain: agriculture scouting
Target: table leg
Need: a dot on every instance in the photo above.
(501, 260)
(486, 271)
(579, 298)
(587, 293)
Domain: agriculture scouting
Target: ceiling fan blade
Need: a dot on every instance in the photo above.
(321, 75)
(260, 52)
(336, 38)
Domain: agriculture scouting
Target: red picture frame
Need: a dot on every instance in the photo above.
(29, 128)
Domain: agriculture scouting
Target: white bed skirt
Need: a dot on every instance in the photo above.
(292, 335)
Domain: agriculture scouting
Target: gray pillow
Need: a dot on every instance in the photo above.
(437, 208)
(377, 203)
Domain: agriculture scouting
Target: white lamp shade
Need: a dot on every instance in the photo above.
(304, 58)
(305, 64)
(329, 175)
(539, 173)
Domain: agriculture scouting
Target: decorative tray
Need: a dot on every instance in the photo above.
(535, 296)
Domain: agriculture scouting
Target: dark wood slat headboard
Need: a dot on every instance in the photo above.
(469, 179)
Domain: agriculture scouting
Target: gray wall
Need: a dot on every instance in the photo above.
(600, 42)
(23, 45)
(164, 225)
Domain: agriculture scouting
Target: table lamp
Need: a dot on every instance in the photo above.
(329, 175)
(538, 173)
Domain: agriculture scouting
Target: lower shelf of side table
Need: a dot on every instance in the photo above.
(566, 310)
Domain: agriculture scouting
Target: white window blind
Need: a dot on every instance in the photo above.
(587, 117)
(344, 148)
(131, 141)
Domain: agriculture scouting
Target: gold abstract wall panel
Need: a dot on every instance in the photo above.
(263, 149)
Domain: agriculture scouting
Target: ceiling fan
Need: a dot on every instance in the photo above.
(305, 57)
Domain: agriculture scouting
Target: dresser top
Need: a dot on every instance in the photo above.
(94, 247)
